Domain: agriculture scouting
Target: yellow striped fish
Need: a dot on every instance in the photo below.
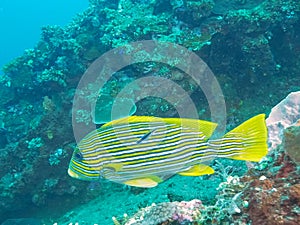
(143, 151)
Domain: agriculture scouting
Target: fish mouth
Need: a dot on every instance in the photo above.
(72, 174)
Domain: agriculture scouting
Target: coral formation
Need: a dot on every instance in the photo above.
(251, 46)
(283, 115)
(166, 213)
(291, 141)
(272, 198)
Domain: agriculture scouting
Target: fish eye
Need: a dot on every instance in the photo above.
(78, 156)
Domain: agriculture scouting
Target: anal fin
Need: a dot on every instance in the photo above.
(145, 182)
(197, 170)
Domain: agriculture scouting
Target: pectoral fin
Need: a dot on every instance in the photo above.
(145, 182)
(115, 166)
(197, 170)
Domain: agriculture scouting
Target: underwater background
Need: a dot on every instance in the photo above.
(25, 18)
(252, 47)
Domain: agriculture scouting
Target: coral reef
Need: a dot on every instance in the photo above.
(274, 200)
(267, 194)
(167, 213)
(292, 141)
(283, 115)
(228, 203)
(251, 46)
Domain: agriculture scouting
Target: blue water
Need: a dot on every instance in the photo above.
(21, 22)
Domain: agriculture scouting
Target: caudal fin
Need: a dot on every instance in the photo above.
(247, 142)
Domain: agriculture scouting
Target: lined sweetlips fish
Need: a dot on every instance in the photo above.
(143, 151)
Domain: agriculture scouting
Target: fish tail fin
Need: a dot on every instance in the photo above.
(247, 142)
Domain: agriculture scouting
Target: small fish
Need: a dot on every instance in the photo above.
(128, 151)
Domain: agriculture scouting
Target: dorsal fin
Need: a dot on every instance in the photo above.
(130, 119)
(206, 127)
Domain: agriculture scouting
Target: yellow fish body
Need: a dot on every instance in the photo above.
(143, 151)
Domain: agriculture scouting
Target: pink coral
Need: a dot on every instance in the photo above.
(187, 211)
(282, 116)
(168, 212)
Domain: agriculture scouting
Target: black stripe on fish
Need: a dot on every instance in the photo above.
(146, 136)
